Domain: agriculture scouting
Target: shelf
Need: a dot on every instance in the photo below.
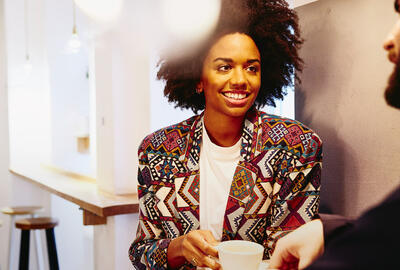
(81, 190)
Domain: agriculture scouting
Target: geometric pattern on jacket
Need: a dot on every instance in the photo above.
(274, 190)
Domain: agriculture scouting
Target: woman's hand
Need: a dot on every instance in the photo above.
(196, 247)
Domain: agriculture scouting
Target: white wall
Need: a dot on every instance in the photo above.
(162, 113)
(69, 82)
(28, 92)
(121, 61)
(122, 98)
(341, 97)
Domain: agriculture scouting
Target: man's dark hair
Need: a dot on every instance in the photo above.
(274, 29)
(396, 5)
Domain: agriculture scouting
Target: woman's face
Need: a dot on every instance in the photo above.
(231, 76)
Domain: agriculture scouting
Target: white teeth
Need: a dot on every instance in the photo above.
(235, 95)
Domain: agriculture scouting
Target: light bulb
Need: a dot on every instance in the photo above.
(74, 42)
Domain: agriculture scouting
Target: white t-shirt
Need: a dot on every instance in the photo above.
(217, 166)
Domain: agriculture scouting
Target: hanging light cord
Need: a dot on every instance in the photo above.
(26, 30)
(74, 18)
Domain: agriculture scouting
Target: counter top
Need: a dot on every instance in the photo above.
(81, 190)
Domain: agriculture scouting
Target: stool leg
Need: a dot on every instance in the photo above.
(38, 245)
(51, 249)
(24, 250)
(11, 243)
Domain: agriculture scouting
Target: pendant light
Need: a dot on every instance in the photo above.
(74, 42)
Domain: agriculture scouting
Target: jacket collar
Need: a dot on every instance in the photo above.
(191, 156)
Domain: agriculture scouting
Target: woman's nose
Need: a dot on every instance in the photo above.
(238, 78)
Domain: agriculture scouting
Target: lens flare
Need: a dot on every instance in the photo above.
(190, 20)
(101, 10)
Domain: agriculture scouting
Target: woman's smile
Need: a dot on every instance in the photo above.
(236, 98)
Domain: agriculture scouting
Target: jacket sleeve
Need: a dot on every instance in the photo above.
(295, 191)
(149, 249)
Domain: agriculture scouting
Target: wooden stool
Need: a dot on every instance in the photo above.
(19, 211)
(41, 223)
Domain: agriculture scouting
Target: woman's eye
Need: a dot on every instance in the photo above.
(252, 69)
(224, 68)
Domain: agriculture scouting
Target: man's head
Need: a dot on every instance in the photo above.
(392, 46)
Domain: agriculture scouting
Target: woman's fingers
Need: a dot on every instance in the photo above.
(211, 242)
(203, 240)
(197, 258)
(198, 249)
(211, 262)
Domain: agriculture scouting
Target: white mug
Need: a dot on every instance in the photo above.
(240, 255)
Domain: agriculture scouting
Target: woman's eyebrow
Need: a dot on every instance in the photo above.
(253, 61)
(229, 60)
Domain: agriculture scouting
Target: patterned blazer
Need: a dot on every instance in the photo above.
(275, 187)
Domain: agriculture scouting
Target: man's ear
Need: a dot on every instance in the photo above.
(199, 87)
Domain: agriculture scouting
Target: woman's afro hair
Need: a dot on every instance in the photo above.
(274, 28)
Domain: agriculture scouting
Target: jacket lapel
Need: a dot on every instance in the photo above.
(187, 184)
(244, 179)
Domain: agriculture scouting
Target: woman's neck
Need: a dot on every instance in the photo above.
(223, 131)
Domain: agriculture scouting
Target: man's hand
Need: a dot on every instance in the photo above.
(300, 248)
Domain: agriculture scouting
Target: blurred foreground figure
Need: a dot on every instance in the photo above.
(372, 241)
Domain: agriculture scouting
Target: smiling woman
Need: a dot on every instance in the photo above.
(260, 174)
